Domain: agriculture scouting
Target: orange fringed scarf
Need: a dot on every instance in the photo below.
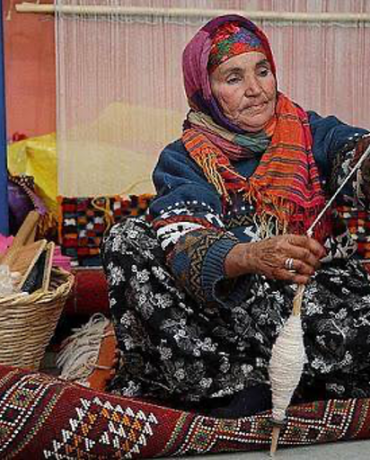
(286, 183)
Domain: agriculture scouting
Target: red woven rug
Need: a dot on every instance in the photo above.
(43, 417)
(89, 293)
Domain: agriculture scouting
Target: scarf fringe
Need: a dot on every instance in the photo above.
(209, 164)
(278, 216)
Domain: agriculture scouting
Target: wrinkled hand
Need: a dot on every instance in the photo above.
(268, 257)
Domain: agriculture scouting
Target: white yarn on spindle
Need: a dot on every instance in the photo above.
(286, 366)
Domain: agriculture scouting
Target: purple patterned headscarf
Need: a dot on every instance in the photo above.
(196, 74)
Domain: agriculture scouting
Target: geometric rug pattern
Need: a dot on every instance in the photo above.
(122, 428)
(43, 417)
(83, 222)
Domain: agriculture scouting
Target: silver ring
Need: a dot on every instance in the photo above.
(289, 263)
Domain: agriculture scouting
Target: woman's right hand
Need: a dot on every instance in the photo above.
(269, 257)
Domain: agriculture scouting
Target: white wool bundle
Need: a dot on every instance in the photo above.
(80, 351)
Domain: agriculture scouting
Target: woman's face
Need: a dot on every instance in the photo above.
(245, 89)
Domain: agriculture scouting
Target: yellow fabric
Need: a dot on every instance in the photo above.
(116, 152)
(37, 157)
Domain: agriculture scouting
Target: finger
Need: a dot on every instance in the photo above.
(290, 276)
(309, 243)
(297, 267)
(315, 247)
(301, 279)
(297, 278)
(303, 255)
(302, 268)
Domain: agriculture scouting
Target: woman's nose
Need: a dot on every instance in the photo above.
(252, 87)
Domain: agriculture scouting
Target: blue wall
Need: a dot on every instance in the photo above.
(4, 218)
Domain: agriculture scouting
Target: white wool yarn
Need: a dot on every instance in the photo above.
(80, 351)
(286, 366)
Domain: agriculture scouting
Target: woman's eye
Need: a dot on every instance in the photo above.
(233, 80)
(263, 72)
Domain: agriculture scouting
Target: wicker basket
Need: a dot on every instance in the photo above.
(28, 322)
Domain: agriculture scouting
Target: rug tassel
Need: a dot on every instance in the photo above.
(79, 352)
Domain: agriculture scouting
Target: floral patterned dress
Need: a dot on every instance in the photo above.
(181, 348)
(175, 349)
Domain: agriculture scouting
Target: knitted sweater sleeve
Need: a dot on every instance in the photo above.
(187, 217)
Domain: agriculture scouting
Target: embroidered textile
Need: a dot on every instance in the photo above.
(230, 40)
(42, 417)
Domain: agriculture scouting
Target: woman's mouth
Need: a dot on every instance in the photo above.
(256, 107)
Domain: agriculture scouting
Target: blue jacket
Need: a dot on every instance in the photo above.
(196, 230)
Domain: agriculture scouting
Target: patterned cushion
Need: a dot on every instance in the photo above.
(89, 294)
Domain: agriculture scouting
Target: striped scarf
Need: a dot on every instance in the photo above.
(285, 184)
(235, 146)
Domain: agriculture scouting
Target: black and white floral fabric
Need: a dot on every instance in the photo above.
(177, 349)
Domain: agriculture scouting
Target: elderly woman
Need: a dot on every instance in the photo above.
(200, 289)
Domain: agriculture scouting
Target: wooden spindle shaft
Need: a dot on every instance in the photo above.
(298, 298)
(274, 440)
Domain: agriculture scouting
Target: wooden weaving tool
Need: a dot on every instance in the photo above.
(25, 258)
(48, 266)
(25, 235)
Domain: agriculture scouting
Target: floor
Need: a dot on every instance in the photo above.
(351, 450)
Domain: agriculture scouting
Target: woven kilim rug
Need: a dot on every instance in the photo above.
(84, 220)
(42, 417)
